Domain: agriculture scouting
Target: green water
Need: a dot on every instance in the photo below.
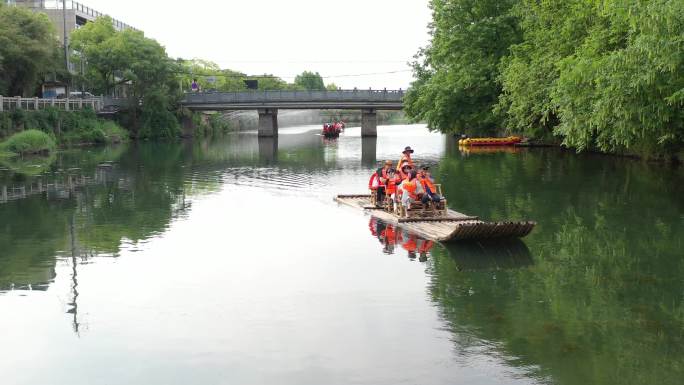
(226, 261)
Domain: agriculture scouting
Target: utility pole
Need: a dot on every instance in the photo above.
(66, 37)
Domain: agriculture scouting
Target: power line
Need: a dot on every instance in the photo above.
(313, 61)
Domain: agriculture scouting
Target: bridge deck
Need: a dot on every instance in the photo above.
(343, 99)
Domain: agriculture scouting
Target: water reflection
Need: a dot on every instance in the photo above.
(268, 150)
(391, 237)
(489, 255)
(369, 147)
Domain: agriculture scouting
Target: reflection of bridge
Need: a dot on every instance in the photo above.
(57, 189)
(267, 104)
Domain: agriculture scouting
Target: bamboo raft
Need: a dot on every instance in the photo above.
(453, 226)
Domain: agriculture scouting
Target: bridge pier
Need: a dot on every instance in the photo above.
(369, 123)
(268, 122)
(187, 126)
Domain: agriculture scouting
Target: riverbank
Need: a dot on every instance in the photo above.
(66, 128)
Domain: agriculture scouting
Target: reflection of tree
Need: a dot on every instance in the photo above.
(602, 302)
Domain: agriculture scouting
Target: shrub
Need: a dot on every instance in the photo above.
(29, 142)
(114, 133)
(156, 119)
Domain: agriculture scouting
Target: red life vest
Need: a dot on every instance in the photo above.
(374, 181)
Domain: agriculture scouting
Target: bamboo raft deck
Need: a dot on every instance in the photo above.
(454, 226)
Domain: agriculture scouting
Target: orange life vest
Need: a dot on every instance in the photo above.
(410, 187)
(405, 159)
(426, 182)
(392, 185)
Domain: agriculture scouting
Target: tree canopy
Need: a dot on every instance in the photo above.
(209, 75)
(28, 50)
(606, 75)
(125, 57)
(310, 81)
(141, 64)
(456, 84)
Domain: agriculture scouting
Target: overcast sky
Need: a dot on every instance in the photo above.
(286, 37)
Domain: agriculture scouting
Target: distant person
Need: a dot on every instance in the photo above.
(194, 86)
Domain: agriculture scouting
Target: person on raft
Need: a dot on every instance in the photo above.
(427, 182)
(405, 159)
(378, 182)
(393, 180)
(412, 190)
(383, 177)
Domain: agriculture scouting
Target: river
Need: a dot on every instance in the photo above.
(226, 261)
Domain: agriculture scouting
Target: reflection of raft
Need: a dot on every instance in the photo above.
(452, 227)
(508, 141)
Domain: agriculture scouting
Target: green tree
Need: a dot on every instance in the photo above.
(129, 58)
(623, 90)
(125, 57)
(269, 82)
(456, 84)
(94, 44)
(604, 75)
(28, 50)
(310, 81)
(331, 87)
(551, 31)
(210, 76)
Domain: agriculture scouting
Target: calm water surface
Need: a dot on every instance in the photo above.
(226, 261)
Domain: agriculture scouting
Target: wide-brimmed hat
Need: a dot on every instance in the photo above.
(407, 149)
(388, 162)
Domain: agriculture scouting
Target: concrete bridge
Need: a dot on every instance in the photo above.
(267, 104)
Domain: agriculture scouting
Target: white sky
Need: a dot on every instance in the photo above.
(286, 37)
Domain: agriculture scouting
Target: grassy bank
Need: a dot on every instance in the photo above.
(67, 128)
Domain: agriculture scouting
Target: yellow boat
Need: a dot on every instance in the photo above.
(507, 141)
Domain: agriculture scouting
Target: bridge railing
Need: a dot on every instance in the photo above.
(19, 103)
(294, 96)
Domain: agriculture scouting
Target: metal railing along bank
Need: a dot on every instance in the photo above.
(19, 103)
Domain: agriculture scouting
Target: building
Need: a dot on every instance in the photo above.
(71, 14)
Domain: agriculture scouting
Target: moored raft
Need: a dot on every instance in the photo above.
(453, 226)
